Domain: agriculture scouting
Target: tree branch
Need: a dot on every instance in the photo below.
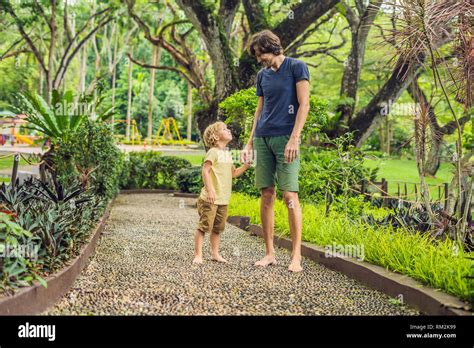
(162, 67)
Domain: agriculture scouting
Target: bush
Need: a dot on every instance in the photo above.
(91, 156)
(246, 183)
(332, 172)
(54, 218)
(189, 179)
(148, 169)
(16, 267)
(239, 109)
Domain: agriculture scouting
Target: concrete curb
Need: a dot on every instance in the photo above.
(36, 298)
(426, 299)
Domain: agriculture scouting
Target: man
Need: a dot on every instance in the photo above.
(283, 105)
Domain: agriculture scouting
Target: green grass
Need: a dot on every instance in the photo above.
(196, 160)
(432, 262)
(7, 163)
(404, 170)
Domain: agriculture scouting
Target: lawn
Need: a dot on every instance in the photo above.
(7, 163)
(196, 160)
(404, 170)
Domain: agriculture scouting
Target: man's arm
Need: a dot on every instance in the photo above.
(302, 91)
(255, 119)
(247, 153)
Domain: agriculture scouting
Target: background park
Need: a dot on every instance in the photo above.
(103, 104)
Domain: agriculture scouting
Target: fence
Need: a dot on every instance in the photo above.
(415, 195)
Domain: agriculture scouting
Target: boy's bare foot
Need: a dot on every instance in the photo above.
(295, 266)
(218, 258)
(197, 259)
(267, 260)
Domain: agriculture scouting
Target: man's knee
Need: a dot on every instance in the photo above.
(290, 198)
(268, 195)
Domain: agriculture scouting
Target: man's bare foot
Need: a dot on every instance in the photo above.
(295, 266)
(218, 258)
(197, 259)
(267, 260)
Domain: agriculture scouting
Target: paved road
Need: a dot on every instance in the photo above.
(142, 265)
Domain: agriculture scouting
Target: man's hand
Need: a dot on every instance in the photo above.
(211, 196)
(292, 149)
(246, 155)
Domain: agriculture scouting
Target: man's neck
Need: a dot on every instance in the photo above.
(277, 63)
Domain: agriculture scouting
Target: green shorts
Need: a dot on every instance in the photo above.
(270, 164)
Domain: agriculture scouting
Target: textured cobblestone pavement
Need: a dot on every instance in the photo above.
(143, 265)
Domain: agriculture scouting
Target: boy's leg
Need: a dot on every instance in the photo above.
(206, 220)
(218, 228)
(198, 239)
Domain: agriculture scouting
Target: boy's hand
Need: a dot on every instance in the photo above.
(211, 196)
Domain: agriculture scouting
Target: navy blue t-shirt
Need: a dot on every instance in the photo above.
(280, 102)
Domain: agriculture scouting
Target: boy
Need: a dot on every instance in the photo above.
(217, 173)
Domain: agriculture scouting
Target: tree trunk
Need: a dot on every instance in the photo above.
(129, 100)
(155, 60)
(190, 111)
(360, 28)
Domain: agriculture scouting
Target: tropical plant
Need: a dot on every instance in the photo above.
(18, 262)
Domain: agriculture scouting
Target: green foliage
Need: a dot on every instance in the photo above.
(90, 155)
(18, 266)
(56, 120)
(189, 179)
(416, 255)
(246, 183)
(240, 107)
(327, 173)
(148, 169)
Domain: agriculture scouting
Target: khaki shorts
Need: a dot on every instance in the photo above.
(212, 217)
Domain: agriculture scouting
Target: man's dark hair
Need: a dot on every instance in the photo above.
(265, 42)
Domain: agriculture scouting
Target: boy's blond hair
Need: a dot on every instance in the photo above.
(210, 132)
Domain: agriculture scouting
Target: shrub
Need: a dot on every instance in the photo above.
(189, 179)
(239, 109)
(91, 156)
(148, 169)
(17, 268)
(246, 183)
(332, 172)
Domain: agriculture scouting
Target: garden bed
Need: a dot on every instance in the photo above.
(36, 298)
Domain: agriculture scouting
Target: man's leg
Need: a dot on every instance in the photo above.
(295, 222)
(265, 167)
(287, 175)
(267, 202)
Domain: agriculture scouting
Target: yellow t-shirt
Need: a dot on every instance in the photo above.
(221, 175)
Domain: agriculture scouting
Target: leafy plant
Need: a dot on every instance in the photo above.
(90, 156)
(189, 179)
(16, 267)
(148, 169)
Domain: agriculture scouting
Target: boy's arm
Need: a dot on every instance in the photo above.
(206, 178)
(236, 172)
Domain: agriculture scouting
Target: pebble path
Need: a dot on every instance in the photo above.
(142, 266)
